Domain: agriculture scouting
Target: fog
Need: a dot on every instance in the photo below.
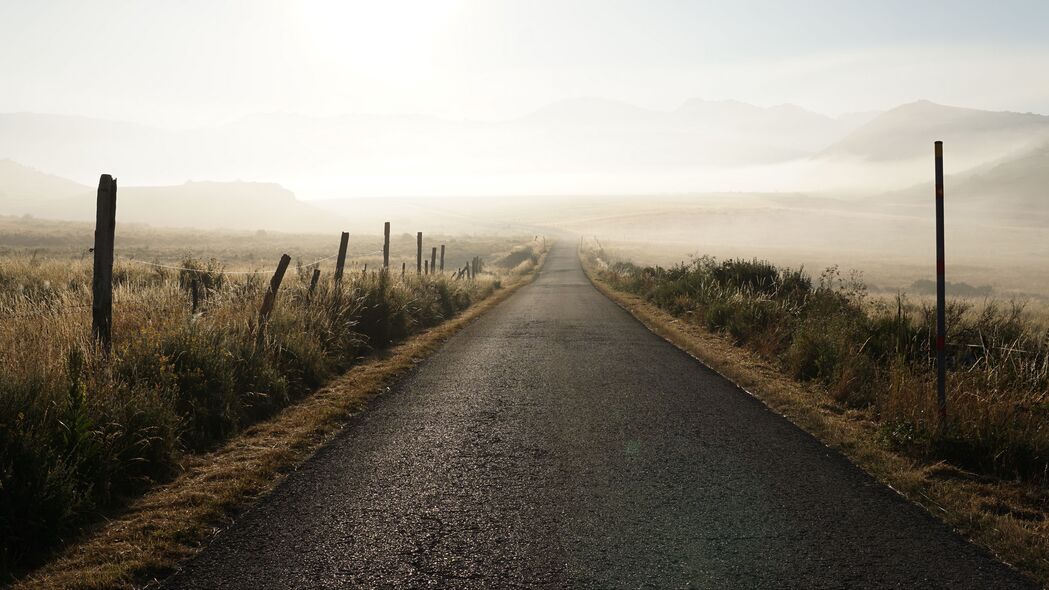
(665, 129)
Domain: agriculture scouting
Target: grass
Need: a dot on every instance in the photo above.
(82, 434)
(856, 371)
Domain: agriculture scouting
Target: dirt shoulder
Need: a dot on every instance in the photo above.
(1009, 518)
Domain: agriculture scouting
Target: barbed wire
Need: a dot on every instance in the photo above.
(228, 272)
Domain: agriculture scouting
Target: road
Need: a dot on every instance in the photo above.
(555, 442)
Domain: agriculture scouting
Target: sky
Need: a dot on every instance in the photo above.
(194, 63)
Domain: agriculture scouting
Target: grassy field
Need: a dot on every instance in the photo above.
(876, 354)
(81, 433)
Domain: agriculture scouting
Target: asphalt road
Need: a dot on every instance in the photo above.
(555, 442)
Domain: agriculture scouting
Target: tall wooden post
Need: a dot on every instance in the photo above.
(941, 292)
(419, 253)
(340, 262)
(102, 278)
(404, 265)
(433, 260)
(442, 258)
(386, 246)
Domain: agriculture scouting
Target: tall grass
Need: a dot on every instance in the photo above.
(878, 354)
(80, 432)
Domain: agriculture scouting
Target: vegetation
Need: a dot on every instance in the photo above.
(877, 355)
(81, 432)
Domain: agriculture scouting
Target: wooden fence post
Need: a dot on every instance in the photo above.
(313, 284)
(442, 258)
(340, 262)
(404, 266)
(433, 260)
(102, 277)
(271, 293)
(426, 267)
(386, 246)
(418, 253)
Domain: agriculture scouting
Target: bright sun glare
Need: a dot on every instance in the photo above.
(390, 40)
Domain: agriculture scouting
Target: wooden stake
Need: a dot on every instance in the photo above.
(419, 253)
(386, 246)
(271, 293)
(442, 258)
(433, 260)
(102, 278)
(340, 262)
(941, 292)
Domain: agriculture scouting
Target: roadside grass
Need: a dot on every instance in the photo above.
(146, 541)
(82, 435)
(856, 373)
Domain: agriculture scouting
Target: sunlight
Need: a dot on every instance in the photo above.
(390, 41)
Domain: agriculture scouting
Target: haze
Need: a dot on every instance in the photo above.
(805, 127)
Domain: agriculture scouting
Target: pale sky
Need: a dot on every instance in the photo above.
(181, 64)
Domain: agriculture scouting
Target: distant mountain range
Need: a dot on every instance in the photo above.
(997, 160)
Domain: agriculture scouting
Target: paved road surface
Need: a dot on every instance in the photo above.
(557, 443)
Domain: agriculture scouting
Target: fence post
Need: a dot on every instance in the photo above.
(102, 277)
(442, 258)
(419, 253)
(404, 266)
(386, 246)
(433, 260)
(426, 267)
(340, 262)
(313, 284)
(194, 293)
(941, 293)
(271, 293)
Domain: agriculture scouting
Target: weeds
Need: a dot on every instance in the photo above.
(878, 356)
(80, 434)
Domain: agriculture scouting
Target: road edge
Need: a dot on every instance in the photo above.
(176, 520)
(933, 487)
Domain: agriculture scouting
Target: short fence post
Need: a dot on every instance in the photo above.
(194, 291)
(442, 258)
(340, 262)
(426, 267)
(433, 260)
(313, 284)
(419, 253)
(941, 293)
(386, 246)
(102, 277)
(271, 294)
(404, 266)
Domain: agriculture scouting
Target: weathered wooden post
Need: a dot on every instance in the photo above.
(941, 292)
(404, 266)
(194, 291)
(313, 284)
(340, 262)
(102, 277)
(426, 267)
(433, 260)
(271, 295)
(419, 253)
(442, 258)
(386, 246)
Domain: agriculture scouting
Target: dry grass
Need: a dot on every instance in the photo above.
(1011, 518)
(174, 521)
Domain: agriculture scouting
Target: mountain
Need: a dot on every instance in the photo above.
(1013, 191)
(206, 205)
(971, 137)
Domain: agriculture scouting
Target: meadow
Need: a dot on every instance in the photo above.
(82, 431)
(875, 354)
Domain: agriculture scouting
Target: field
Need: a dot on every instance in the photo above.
(876, 353)
(81, 432)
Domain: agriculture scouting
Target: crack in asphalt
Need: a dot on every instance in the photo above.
(557, 443)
